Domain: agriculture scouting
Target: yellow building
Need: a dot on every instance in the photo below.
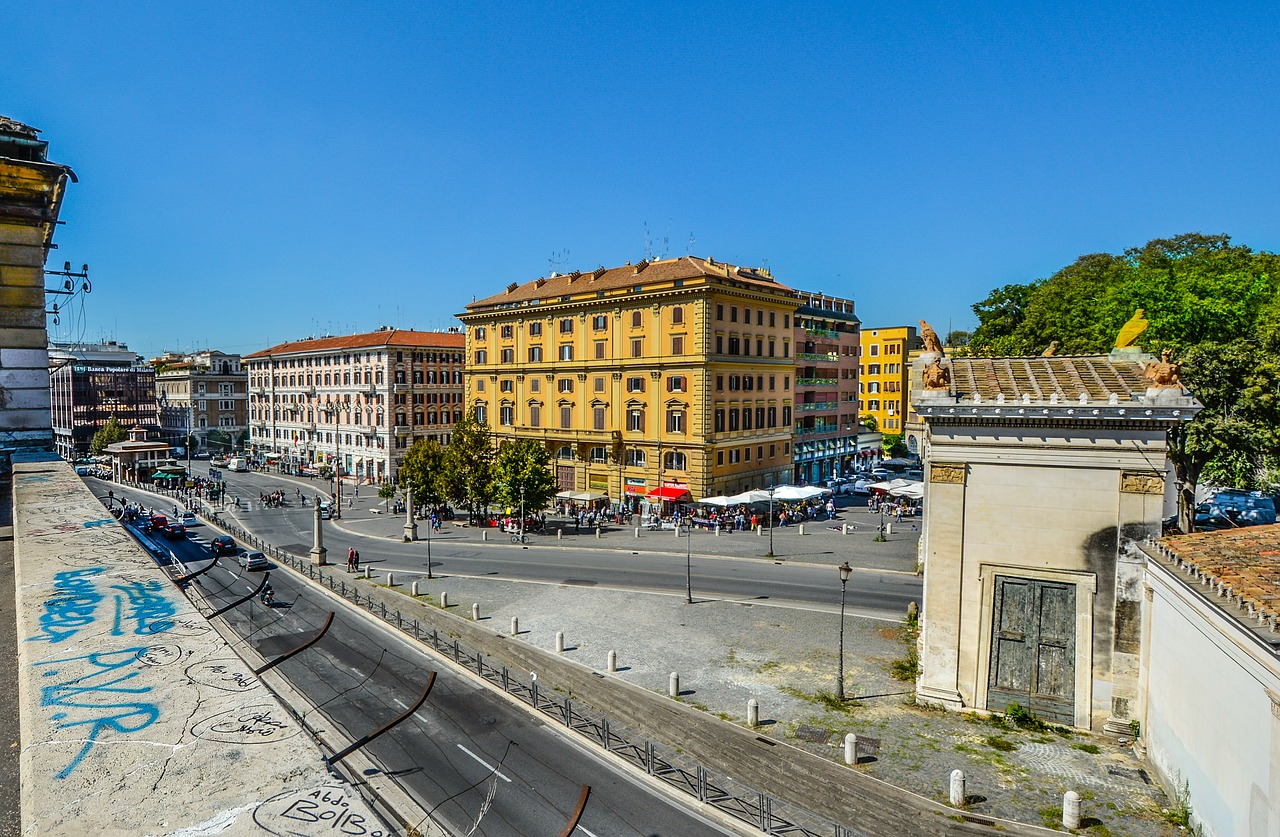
(884, 374)
(658, 380)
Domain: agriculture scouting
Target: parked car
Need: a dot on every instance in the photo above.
(861, 485)
(879, 474)
(222, 545)
(189, 518)
(175, 531)
(252, 560)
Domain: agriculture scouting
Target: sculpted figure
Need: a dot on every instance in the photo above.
(930, 338)
(1052, 350)
(1163, 374)
(1129, 331)
(936, 376)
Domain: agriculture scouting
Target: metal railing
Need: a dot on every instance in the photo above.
(820, 357)
(817, 405)
(815, 382)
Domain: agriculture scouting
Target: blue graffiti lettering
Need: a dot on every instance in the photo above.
(147, 607)
(93, 693)
(72, 606)
(94, 524)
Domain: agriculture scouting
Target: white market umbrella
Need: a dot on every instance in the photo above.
(745, 497)
(718, 500)
(912, 491)
(791, 493)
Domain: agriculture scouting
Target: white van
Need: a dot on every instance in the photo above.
(237, 463)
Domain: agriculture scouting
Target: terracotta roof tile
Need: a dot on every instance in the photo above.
(1242, 563)
(627, 276)
(1098, 377)
(395, 337)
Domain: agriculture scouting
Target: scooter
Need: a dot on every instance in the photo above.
(269, 597)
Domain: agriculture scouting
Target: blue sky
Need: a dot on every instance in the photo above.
(254, 173)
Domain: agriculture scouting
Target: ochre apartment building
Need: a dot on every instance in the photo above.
(884, 373)
(661, 380)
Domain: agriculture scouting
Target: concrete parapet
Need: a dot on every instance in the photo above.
(184, 747)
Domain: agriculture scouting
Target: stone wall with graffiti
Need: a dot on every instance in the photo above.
(136, 715)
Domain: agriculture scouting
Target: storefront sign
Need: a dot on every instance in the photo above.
(598, 485)
(634, 485)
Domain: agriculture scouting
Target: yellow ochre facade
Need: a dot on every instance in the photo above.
(884, 375)
(645, 380)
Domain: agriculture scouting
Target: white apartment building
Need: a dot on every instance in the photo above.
(363, 398)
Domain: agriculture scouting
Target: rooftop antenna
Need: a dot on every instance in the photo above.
(557, 261)
(691, 243)
(648, 244)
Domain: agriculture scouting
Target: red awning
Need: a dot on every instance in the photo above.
(668, 492)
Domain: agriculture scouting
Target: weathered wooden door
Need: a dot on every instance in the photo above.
(566, 479)
(1033, 647)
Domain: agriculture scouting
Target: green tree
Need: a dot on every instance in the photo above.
(522, 469)
(386, 491)
(466, 470)
(869, 421)
(1213, 304)
(219, 439)
(108, 434)
(423, 464)
(893, 444)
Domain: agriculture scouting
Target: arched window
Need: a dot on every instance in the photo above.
(674, 460)
(636, 458)
(565, 452)
(677, 315)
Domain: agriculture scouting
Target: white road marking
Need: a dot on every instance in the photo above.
(485, 763)
(404, 705)
(584, 831)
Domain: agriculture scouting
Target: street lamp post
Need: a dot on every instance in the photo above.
(522, 514)
(331, 411)
(770, 555)
(845, 572)
(410, 525)
(688, 563)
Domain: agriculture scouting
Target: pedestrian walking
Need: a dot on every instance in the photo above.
(357, 560)
(351, 559)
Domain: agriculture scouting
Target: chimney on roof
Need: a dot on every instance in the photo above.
(572, 276)
(640, 265)
(538, 283)
(512, 287)
(597, 273)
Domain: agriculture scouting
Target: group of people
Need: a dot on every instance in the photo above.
(274, 500)
(353, 560)
(896, 507)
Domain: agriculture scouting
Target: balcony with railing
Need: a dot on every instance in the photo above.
(817, 429)
(400, 387)
(815, 406)
(403, 429)
(822, 332)
(819, 357)
(816, 382)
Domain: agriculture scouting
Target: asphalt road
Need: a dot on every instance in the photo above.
(882, 594)
(465, 745)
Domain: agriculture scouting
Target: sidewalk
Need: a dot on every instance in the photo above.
(727, 653)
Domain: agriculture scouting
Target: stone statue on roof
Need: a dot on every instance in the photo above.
(932, 345)
(1052, 350)
(1130, 331)
(937, 377)
(1163, 374)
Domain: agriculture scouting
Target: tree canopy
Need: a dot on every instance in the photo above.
(466, 467)
(422, 469)
(108, 434)
(1215, 305)
(522, 469)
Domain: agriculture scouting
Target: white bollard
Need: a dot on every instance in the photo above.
(444, 600)
(888, 528)
(753, 713)
(597, 531)
(717, 530)
(484, 534)
(673, 685)
(677, 530)
(613, 661)
(850, 749)
(844, 528)
(759, 530)
(559, 642)
(560, 534)
(391, 580)
(368, 572)
(515, 626)
(1071, 809)
(637, 531)
(802, 528)
(957, 796)
(415, 589)
(475, 611)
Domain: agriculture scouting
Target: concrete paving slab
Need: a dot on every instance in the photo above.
(136, 717)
